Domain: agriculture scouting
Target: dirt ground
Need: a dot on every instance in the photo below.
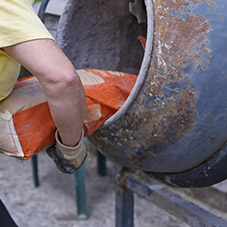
(53, 203)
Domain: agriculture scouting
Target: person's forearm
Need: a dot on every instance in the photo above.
(67, 106)
(62, 86)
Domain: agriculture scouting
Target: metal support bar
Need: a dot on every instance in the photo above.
(101, 165)
(42, 9)
(141, 184)
(124, 207)
(35, 173)
(80, 192)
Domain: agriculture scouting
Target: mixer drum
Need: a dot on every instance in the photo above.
(175, 118)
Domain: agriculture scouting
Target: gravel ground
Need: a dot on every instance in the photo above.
(53, 203)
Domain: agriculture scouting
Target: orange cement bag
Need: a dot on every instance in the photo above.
(25, 121)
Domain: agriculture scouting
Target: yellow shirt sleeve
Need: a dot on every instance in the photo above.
(18, 23)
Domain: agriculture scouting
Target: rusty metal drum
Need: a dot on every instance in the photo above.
(176, 115)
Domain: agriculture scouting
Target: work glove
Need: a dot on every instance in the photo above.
(67, 159)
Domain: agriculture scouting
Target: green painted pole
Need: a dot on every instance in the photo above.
(80, 192)
(35, 173)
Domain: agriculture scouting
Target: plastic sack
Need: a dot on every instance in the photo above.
(25, 121)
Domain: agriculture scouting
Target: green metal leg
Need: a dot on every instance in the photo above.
(101, 165)
(35, 170)
(79, 179)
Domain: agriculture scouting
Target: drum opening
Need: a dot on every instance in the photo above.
(103, 34)
(144, 65)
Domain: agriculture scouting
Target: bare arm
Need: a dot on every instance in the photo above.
(61, 84)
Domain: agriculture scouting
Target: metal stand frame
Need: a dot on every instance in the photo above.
(101, 164)
(79, 182)
(80, 193)
(35, 172)
(124, 207)
(140, 183)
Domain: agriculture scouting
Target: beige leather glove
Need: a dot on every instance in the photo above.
(75, 155)
(67, 159)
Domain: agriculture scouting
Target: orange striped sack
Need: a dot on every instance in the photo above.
(25, 121)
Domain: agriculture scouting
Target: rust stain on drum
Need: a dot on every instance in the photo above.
(165, 108)
(212, 4)
(180, 39)
(135, 159)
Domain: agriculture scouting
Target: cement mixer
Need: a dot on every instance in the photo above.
(174, 123)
